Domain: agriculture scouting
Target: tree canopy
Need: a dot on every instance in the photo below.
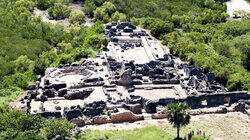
(178, 115)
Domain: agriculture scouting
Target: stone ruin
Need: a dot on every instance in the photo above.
(133, 79)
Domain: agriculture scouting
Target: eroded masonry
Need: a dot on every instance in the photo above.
(132, 79)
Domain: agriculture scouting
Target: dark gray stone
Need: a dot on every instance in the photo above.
(71, 114)
(48, 114)
(135, 108)
(126, 77)
(150, 107)
(62, 92)
(79, 94)
(210, 77)
(49, 93)
(32, 87)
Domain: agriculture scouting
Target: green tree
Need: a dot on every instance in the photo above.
(56, 127)
(89, 7)
(59, 11)
(44, 61)
(177, 115)
(23, 64)
(25, 3)
(43, 4)
(109, 7)
(99, 13)
(77, 16)
(118, 16)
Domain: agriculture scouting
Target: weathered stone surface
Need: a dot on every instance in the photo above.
(62, 92)
(132, 99)
(31, 94)
(159, 116)
(150, 107)
(48, 114)
(101, 119)
(78, 122)
(58, 108)
(72, 113)
(78, 94)
(239, 106)
(94, 108)
(49, 93)
(194, 71)
(74, 64)
(91, 111)
(59, 86)
(135, 108)
(126, 77)
(125, 116)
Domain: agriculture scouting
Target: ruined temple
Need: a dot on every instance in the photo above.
(132, 79)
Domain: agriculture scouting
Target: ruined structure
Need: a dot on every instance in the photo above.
(133, 79)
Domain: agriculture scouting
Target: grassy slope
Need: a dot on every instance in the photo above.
(227, 127)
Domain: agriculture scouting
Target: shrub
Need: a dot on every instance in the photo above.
(89, 7)
(18, 79)
(44, 61)
(77, 16)
(118, 16)
(59, 11)
(56, 127)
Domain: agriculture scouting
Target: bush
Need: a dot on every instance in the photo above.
(99, 13)
(158, 27)
(59, 11)
(16, 125)
(118, 16)
(106, 10)
(56, 127)
(25, 3)
(44, 61)
(18, 79)
(44, 4)
(89, 7)
(77, 16)
(23, 64)
(135, 21)
(8, 95)
(94, 41)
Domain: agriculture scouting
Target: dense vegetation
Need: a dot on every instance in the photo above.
(194, 30)
(222, 48)
(17, 125)
(27, 43)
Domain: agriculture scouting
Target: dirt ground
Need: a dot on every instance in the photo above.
(229, 126)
